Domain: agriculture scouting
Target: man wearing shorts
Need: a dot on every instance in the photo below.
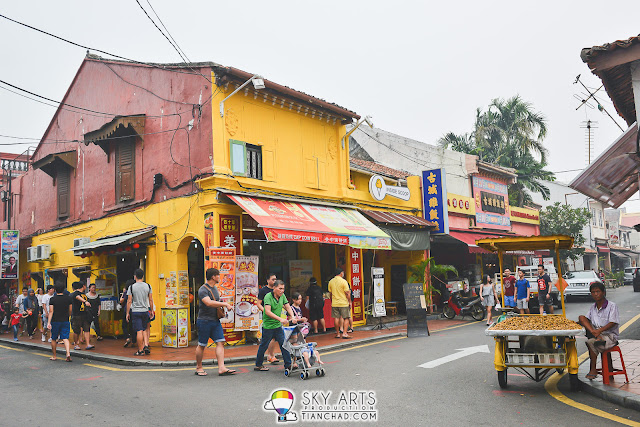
(139, 302)
(58, 320)
(208, 324)
(509, 288)
(544, 295)
(523, 293)
(602, 325)
(340, 302)
(80, 320)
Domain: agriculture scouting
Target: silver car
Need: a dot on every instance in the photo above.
(578, 283)
(629, 273)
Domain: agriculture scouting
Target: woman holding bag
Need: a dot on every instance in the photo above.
(488, 296)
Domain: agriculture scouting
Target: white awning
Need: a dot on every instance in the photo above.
(128, 237)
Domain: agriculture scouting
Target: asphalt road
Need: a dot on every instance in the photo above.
(36, 391)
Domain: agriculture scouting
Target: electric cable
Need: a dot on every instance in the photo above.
(167, 30)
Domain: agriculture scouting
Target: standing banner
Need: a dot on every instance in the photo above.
(355, 268)
(300, 271)
(10, 243)
(224, 259)
(379, 307)
(247, 311)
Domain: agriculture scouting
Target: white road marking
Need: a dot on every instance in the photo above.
(462, 352)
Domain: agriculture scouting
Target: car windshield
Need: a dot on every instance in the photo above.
(581, 275)
(630, 270)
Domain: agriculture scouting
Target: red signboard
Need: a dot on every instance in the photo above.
(278, 235)
(230, 231)
(355, 268)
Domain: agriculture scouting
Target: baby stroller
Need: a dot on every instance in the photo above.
(296, 345)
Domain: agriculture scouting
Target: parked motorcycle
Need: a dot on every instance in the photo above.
(463, 306)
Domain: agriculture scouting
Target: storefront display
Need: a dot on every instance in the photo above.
(175, 327)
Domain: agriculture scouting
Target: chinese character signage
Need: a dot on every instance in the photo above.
(10, 242)
(434, 189)
(492, 204)
(357, 286)
(230, 231)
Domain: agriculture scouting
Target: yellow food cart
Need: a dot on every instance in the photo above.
(543, 351)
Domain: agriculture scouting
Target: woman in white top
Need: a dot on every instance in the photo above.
(39, 295)
(488, 296)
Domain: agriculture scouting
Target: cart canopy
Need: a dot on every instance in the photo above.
(504, 244)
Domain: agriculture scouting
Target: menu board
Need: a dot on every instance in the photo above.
(183, 327)
(300, 271)
(183, 288)
(171, 289)
(379, 307)
(224, 259)
(416, 311)
(247, 311)
(169, 328)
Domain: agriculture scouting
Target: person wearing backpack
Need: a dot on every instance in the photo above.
(315, 299)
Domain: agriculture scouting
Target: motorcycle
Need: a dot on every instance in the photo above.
(463, 306)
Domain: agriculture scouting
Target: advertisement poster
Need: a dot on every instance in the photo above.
(208, 231)
(104, 287)
(300, 271)
(247, 311)
(379, 308)
(355, 258)
(224, 259)
(229, 231)
(171, 289)
(183, 327)
(435, 208)
(183, 288)
(169, 328)
(492, 204)
(10, 242)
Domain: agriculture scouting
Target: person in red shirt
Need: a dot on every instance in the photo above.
(15, 321)
(509, 282)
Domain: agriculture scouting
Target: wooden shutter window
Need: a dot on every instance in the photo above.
(64, 192)
(125, 171)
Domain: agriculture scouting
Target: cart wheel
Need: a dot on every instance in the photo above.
(287, 372)
(477, 313)
(560, 371)
(574, 382)
(318, 372)
(448, 312)
(502, 378)
(322, 372)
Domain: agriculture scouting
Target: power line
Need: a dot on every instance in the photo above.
(101, 51)
(184, 58)
(167, 30)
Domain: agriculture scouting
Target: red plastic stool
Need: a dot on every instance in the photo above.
(608, 371)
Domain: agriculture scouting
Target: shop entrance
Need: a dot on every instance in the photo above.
(195, 258)
(398, 279)
(327, 264)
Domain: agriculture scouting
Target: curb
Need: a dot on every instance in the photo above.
(129, 361)
(608, 393)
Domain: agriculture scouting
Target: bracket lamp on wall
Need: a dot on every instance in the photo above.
(258, 83)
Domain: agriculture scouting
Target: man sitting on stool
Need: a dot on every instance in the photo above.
(601, 324)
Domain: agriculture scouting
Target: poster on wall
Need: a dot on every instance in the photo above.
(208, 231)
(169, 328)
(224, 259)
(355, 258)
(377, 276)
(171, 289)
(300, 271)
(183, 327)
(492, 204)
(10, 243)
(229, 231)
(247, 311)
(183, 288)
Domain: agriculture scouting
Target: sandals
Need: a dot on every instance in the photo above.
(350, 330)
(261, 368)
(591, 376)
(139, 353)
(146, 350)
(90, 347)
(273, 360)
(201, 373)
(227, 372)
(127, 343)
(68, 359)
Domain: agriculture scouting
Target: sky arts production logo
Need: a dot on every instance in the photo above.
(316, 405)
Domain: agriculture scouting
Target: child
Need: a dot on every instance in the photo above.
(15, 321)
(308, 351)
(297, 311)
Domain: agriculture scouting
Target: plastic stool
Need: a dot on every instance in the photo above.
(608, 371)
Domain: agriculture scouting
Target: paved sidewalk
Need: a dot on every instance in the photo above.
(618, 392)
(112, 350)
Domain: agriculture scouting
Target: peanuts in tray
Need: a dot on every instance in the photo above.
(541, 323)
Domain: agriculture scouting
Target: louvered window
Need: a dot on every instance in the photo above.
(254, 161)
(64, 192)
(125, 170)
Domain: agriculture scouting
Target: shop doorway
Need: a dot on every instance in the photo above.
(126, 265)
(195, 258)
(398, 279)
(327, 264)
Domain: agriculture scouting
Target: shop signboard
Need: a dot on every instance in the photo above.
(10, 242)
(247, 316)
(416, 310)
(377, 276)
(355, 262)
(224, 259)
(229, 231)
(492, 204)
(379, 189)
(300, 271)
(434, 199)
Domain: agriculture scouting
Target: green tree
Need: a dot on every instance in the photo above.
(564, 219)
(430, 269)
(509, 133)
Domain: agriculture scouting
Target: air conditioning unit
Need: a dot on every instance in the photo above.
(32, 254)
(44, 251)
(81, 241)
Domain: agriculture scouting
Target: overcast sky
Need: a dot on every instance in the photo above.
(418, 69)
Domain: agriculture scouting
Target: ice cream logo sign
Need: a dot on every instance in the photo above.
(379, 189)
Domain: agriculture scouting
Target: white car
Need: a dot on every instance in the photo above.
(579, 282)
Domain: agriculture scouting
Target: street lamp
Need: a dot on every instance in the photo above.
(258, 83)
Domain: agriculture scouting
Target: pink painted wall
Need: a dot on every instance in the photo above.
(97, 87)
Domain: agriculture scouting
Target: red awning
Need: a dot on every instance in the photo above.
(397, 218)
(603, 249)
(470, 240)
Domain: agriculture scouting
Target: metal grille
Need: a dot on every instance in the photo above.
(254, 161)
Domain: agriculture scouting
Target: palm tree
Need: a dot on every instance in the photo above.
(509, 134)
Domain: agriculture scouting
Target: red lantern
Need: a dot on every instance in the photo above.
(112, 251)
(128, 248)
(136, 245)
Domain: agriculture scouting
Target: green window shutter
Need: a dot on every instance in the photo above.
(238, 157)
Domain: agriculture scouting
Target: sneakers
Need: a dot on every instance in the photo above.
(49, 340)
(43, 340)
(15, 339)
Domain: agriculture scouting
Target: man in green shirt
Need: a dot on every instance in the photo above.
(272, 322)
